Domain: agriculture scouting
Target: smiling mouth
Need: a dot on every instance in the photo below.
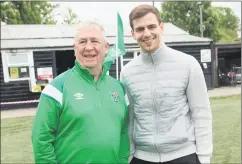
(89, 56)
(148, 40)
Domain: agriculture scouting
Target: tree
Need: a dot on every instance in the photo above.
(70, 17)
(228, 24)
(27, 12)
(216, 20)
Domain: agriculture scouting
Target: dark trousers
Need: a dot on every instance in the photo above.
(189, 159)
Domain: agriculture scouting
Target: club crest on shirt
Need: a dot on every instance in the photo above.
(115, 96)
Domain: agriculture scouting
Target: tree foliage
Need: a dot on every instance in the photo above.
(70, 17)
(228, 24)
(27, 12)
(220, 23)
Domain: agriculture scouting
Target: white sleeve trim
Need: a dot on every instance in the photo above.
(53, 92)
(126, 99)
(204, 159)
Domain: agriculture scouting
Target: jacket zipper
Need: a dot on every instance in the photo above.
(98, 95)
(155, 110)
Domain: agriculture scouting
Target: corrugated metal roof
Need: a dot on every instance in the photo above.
(39, 36)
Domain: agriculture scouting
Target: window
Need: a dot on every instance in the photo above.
(16, 65)
(17, 58)
(128, 57)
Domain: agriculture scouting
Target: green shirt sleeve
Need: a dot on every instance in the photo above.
(124, 142)
(44, 129)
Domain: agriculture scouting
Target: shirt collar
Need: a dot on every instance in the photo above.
(155, 57)
(85, 72)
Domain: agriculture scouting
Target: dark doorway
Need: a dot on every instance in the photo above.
(229, 59)
(64, 60)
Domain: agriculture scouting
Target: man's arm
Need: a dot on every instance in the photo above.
(131, 127)
(124, 150)
(131, 118)
(199, 105)
(44, 129)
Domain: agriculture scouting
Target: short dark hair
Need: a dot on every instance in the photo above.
(141, 11)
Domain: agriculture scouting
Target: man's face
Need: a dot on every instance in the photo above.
(148, 32)
(90, 47)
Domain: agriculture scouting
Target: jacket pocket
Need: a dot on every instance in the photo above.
(175, 138)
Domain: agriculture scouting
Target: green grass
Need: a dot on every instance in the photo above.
(226, 129)
(16, 142)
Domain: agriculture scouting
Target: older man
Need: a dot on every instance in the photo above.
(82, 114)
(171, 121)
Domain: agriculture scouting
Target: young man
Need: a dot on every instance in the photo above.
(82, 115)
(170, 115)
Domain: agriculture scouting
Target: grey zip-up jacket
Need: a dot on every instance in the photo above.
(170, 115)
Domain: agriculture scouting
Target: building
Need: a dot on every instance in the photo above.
(31, 55)
(227, 57)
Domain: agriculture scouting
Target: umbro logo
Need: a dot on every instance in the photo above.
(79, 96)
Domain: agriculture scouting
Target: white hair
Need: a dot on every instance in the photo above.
(90, 23)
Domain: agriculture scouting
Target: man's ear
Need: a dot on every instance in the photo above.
(162, 27)
(74, 46)
(132, 32)
(106, 47)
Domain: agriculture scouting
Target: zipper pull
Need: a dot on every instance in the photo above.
(97, 88)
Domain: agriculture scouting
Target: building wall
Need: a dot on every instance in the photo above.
(112, 71)
(43, 59)
(14, 91)
(195, 51)
(19, 91)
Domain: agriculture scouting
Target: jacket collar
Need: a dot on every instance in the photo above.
(85, 72)
(153, 58)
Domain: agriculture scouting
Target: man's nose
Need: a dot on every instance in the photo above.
(89, 46)
(147, 32)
